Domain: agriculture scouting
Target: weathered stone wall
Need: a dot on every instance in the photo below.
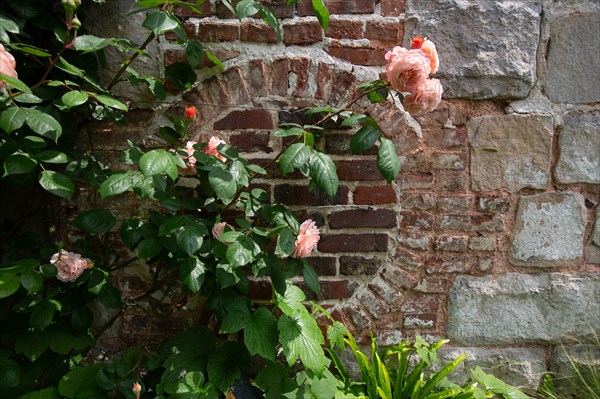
(490, 236)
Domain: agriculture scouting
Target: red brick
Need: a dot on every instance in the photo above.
(493, 204)
(238, 88)
(304, 7)
(184, 12)
(392, 8)
(300, 67)
(257, 32)
(337, 289)
(434, 284)
(407, 259)
(449, 160)
(450, 264)
(222, 12)
(420, 201)
(251, 142)
(448, 181)
(299, 195)
(353, 243)
(359, 265)
(345, 29)
(415, 181)
(358, 170)
(246, 119)
(324, 266)
(217, 32)
(221, 54)
(470, 223)
(259, 76)
(422, 304)
(332, 83)
(281, 69)
(302, 33)
(374, 195)
(358, 55)
(451, 244)
(279, 8)
(363, 218)
(416, 220)
(386, 31)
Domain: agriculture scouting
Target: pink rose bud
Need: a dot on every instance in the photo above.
(190, 113)
(427, 46)
(189, 149)
(136, 389)
(69, 265)
(425, 99)
(8, 66)
(406, 71)
(308, 237)
(211, 148)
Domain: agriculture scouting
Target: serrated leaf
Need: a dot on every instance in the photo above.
(260, 334)
(160, 22)
(274, 379)
(189, 239)
(56, 183)
(224, 367)
(300, 336)
(94, 221)
(74, 98)
(323, 173)
(242, 252)
(9, 284)
(120, 182)
(295, 157)
(336, 333)
(238, 316)
(192, 274)
(12, 118)
(222, 183)
(18, 163)
(388, 162)
(364, 139)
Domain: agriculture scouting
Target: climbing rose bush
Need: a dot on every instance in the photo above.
(308, 237)
(69, 265)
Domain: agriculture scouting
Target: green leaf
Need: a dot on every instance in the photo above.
(222, 183)
(91, 43)
(388, 162)
(224, 367)
(32, 281)
(158, 161)
(74, 98)
(192, 274)
(80, 380)
(110, 297)
(292, 131)
(214, 59)
(323, 173)
(271, 19)
(190, 238)
(285, 243)
(10, 375)
(300, 336)
(194, 52)
(42, 315)
(336, 333)
(110, 102)
(260, 334)
(130, 232)
(275, 380)
(246, 8)
(120, 182)
(18, 163)
(57, 184)
(242, 252)
(238, 316)
(48, 393)
(295, 157)
(364, 139)
(53, 156)
(322, 13)
(15, 82)
(149, 248)
(311, 278)
(12, 118)
(43, 124)
(27, 98)
(94, 221)
(160, 22)
(9, 284)
(181, 74)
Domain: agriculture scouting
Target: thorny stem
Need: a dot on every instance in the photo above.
(128, 62)
(55, 59)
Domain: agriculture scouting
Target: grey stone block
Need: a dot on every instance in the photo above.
(487, 48)
(579, 149)
(510, 152)
(523, 308)
(574, 367)
(549, 230)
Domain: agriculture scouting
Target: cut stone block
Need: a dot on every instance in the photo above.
(579, 149)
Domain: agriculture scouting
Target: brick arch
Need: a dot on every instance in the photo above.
(357, 254)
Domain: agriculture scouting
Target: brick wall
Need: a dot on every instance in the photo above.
(467, 210)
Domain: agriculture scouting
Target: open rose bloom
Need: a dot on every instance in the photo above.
(8, 66)
(408, 71)
(69, 265)
(308, 237)
(189, 149)
(211, 148)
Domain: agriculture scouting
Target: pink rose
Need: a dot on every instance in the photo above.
(427, 46)
(69, 265)
(189, 149)
(425, 99)
(211, 148)
(307, 240)
(8, 66)
(408, 70)
(396, 52)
